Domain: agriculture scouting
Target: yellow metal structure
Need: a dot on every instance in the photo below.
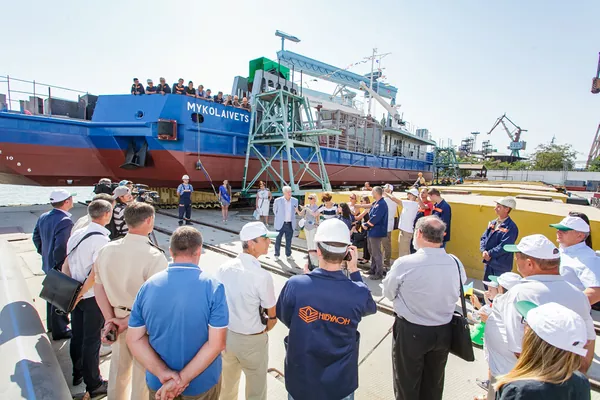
(505, 190)
(471, 214)
(200, 199)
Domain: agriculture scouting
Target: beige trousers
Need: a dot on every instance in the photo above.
(248, 353)
(404, 240)
(125, 370)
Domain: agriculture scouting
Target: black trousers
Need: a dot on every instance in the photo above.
(57, 324)
(419, 355)
(87, 322)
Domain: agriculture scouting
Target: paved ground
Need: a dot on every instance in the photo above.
(375, 370)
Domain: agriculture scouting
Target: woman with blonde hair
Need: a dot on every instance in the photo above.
(553, 345)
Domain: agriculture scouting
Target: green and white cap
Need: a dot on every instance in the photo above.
(572, 224)
(537, 246)
(555, 324)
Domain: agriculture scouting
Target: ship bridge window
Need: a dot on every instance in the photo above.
(139, 114)
(197, 118)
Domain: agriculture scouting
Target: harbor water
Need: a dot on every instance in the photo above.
(12, 195)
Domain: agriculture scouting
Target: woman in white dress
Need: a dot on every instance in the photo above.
(263, 202)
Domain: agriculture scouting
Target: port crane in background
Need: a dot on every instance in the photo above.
(392, 109)
(595, 149)
(516, 144)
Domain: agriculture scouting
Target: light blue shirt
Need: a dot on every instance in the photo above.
(182, 187)
(177, 306)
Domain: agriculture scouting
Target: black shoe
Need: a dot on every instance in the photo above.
(66, 335)
(77, 379)
(188, 222)
(101, 390)
(180, 223)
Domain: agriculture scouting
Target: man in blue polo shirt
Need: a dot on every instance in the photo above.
(442, 209)
(177, 327)
(322, 309)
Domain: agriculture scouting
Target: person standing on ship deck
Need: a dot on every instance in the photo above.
(137, 88)
(225, 199)
(499, 232)
(263, 202)
(201, 93)
(151, 89)
(209, 95)
(163, 87)
(219, 98)
(185, 200)
(442, 209)
(50, 237)
(189, 90)
(178, 87)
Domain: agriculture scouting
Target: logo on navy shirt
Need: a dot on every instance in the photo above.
(309, 315)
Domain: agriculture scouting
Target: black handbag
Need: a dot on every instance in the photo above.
(59, 289)
(461, 345)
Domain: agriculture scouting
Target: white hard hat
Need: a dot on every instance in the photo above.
(253, 230)
(414, 192)
(333, 230)
(185, 177)
(537, 246)
(508, 201)
(556, 325)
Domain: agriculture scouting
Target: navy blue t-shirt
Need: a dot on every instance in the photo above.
(575, 388)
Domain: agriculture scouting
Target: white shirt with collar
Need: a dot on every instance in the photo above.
(542, 289)
(83, 258)
(425, 286)
(580, 266)
(247, 286)
(499, 358)
(288, 209)
(68, 214)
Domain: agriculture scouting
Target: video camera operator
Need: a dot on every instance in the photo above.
(104, 185)
(322, 309)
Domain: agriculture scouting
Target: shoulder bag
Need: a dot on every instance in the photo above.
(59, 289)
(461, 345)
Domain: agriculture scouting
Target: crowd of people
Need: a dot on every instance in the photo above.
(137, 89)
(179, 333)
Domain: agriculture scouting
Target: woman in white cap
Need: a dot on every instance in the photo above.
(263, 202)
(553, 346)
(579, 264)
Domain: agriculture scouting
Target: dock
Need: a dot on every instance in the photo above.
(375, 362)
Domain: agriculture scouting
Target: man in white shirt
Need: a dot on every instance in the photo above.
(579, 264)
(387, 241)
(86, 318)
(250, 292)
(410, 208)
(538, 261)
(422, 332)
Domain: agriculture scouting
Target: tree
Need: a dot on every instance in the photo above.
(553, 157)
(595, 165)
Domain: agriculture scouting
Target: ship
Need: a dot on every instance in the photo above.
(155, 139)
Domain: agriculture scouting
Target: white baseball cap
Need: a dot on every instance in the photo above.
(508, 201)
(555, 324)
(507, 280)
(389, 186)
(59, 195)
(414, 192)
(185, 177)
(333, 230)
(572, 224)
(537, 246)
(253, 230)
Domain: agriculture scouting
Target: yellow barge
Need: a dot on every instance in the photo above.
(473, 208)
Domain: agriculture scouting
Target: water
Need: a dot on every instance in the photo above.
(11, 195)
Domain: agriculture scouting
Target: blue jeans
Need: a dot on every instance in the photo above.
(349, 397)
(288, 231)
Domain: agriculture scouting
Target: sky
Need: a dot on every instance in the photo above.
(458, 65)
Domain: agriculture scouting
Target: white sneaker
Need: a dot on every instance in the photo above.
(105, 350)
(290, 258)
(276, 258)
